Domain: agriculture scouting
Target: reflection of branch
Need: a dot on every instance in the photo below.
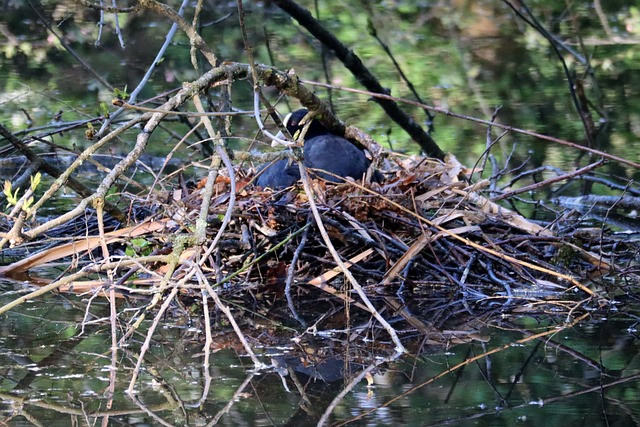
(208, 342)
(156, 320)
(134, 94)
(540, 402)
(235, 398)
(225, 309)
(603, 19)
(152, 411)
(60, 409)
(364, 76)
(374, 33)
(108, 9)
(195, 38)
(555, 329)
(73, 53)
(367, 371)
(555, 44)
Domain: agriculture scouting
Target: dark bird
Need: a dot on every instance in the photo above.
(322, 151)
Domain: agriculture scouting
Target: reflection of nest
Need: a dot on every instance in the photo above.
(429, 252)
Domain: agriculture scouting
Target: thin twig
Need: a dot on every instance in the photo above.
(550, 181)
(290, 276)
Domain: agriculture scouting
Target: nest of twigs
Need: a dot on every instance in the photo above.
(423, 251)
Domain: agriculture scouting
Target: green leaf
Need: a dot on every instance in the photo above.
(35, 181)
(104, 111)
(27, 204)
(138, 246)
(7, 188)
(12, 198)
(121, 94)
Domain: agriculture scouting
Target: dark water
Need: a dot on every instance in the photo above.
(469, 60)
(54, 373)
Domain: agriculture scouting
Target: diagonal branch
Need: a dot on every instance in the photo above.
(364, 76)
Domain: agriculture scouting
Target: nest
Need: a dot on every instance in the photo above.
(427, 254)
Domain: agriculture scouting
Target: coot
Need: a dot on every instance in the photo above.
(322, 151)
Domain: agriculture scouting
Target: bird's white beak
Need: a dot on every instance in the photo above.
(280, 139)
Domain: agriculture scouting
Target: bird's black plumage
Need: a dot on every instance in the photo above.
(322, 151)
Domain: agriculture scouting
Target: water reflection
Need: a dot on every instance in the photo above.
(56, 373)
